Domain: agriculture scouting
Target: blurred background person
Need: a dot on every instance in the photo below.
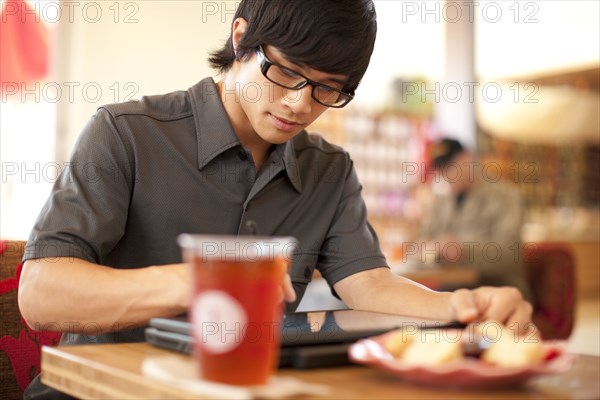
(473, 219)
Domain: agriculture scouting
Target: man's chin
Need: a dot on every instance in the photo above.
(280, 137)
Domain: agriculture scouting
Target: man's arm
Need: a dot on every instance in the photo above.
(380, 290)
(71, 294)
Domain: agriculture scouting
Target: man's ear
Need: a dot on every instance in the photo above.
(238, 30)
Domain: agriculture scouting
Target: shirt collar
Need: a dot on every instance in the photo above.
(288, 154)
(216, 134)
(214, 131)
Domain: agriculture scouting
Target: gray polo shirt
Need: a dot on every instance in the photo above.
(143, 172)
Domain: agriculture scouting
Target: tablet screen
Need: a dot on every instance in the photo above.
(322, 327)
(308, 339)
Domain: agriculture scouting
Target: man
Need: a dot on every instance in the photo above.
(474, 219)
(230, 158)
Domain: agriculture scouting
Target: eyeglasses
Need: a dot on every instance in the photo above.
(289, 79)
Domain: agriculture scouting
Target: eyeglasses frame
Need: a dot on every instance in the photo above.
(265, 63)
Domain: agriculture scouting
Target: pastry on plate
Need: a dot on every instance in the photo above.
(513, 351)
(422, 347)
(397, 341)
(430, 350)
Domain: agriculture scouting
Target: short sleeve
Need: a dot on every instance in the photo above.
(351, 244)
(86, 212)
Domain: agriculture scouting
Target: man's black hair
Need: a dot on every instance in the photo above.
(445, 151)
(332, 36)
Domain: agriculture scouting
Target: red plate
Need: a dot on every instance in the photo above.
(468, 373)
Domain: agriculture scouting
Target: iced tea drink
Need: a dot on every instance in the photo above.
(236, 306)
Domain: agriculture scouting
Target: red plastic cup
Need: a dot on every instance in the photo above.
(236, 307)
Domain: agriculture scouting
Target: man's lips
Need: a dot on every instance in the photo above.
(284, 124)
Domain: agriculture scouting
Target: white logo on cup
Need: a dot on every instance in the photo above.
(219, 321)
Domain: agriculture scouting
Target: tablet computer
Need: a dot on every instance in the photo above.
(308, 339)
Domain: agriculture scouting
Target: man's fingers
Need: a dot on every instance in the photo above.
(464, 307)
(504, 304)
(289, 294)
(520, 320)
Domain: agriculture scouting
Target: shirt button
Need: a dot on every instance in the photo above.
(307, 272)
(242, 156)
(252, 227)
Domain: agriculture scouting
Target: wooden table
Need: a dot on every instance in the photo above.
(114, 371)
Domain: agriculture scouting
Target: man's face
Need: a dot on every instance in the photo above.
(277, 114)
(457, 176)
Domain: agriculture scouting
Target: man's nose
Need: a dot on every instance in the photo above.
(300, 101)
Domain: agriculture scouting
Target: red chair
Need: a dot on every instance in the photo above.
(20, 346)
(551, 273)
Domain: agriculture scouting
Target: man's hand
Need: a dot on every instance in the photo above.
(289, 294)
(380, 290)
(287, 289)
(502, 304)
